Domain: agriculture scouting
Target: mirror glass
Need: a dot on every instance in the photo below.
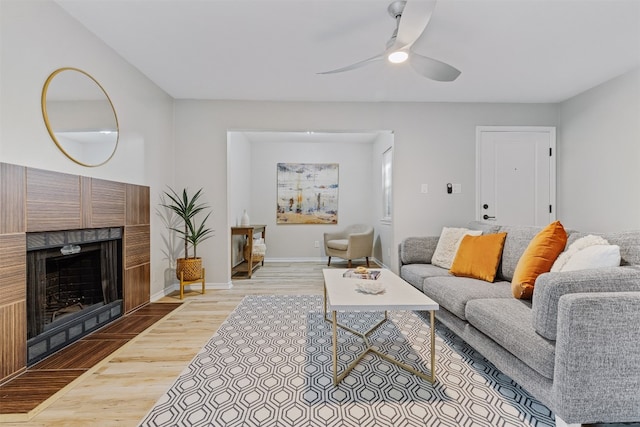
(80, 117)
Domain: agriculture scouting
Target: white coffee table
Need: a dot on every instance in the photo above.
(340, 294)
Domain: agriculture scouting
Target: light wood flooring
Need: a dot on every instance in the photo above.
(121, 389)
(21, 396)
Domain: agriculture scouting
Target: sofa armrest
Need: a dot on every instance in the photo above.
(417, 250)
(597, 361)
(549, 287)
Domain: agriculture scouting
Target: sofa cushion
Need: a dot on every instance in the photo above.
(448, 244)
(486, 228)
(508, 323)
(417, 250)
(479, 256)
(453, 293)
(538, 258)
(629, 242)
(518, 238)
(416, 273)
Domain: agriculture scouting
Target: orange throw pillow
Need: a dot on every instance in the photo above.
(479, 256)
(538, 258)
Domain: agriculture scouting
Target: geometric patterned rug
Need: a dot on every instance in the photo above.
(269, 364)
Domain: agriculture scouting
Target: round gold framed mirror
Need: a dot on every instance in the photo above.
(80, 117)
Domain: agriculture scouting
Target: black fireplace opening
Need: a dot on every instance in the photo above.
(72, 289)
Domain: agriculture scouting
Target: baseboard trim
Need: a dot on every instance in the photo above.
(316, 259)
(195, 287)
(306, 259)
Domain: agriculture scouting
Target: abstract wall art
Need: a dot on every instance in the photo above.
(307, 193)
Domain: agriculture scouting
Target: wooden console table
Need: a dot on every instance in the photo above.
(251, 261)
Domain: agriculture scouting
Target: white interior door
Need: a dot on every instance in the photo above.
(515, 175)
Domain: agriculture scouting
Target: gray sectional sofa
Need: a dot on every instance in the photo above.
(575, 346)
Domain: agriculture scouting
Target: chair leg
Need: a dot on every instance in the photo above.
(367, 262)
(203, 281)
(349, 264)
(329, 263)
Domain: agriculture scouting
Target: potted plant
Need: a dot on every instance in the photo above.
(193, 231)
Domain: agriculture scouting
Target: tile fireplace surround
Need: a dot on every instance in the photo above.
(36, 201)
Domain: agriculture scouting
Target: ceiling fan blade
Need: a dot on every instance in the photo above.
(356, 65)
(432, 68)
(415, 17)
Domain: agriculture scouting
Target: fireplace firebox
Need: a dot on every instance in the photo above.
(74, 286)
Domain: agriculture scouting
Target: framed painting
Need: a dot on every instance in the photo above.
(307, 193)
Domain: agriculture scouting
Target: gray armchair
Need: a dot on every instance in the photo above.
(356, 241)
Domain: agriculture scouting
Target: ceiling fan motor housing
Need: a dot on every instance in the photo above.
(395, 9)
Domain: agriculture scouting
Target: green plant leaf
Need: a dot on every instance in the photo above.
(187, 207)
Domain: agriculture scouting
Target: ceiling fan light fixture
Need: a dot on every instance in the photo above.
(412, 18)
(398, 57)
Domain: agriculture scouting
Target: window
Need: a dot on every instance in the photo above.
(387, 203)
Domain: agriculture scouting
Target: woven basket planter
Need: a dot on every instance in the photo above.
(191, 268)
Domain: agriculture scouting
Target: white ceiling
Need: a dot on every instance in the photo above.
(507, 50)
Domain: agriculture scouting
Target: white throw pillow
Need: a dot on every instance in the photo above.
(575, 247)
(448, 245)
(595, 256)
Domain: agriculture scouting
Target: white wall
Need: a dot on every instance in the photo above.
(38, 37)
(239, 186)
(599, 157)
(240, 167)
(434, 144)
(354, 202)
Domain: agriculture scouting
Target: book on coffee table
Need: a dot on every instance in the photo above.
(369, 275)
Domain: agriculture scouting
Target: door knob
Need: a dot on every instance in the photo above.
(485, 216)
(485, 206)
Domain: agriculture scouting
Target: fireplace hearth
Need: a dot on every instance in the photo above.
(74, 286)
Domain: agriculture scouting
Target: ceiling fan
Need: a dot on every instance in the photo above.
(411, 18)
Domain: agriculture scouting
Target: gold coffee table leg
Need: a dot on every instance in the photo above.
(432, 314)
(335, 348)
(325, 302)
(365, 337)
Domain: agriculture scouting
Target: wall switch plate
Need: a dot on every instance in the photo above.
(457, 188)
(424, 188)
(316, 244)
